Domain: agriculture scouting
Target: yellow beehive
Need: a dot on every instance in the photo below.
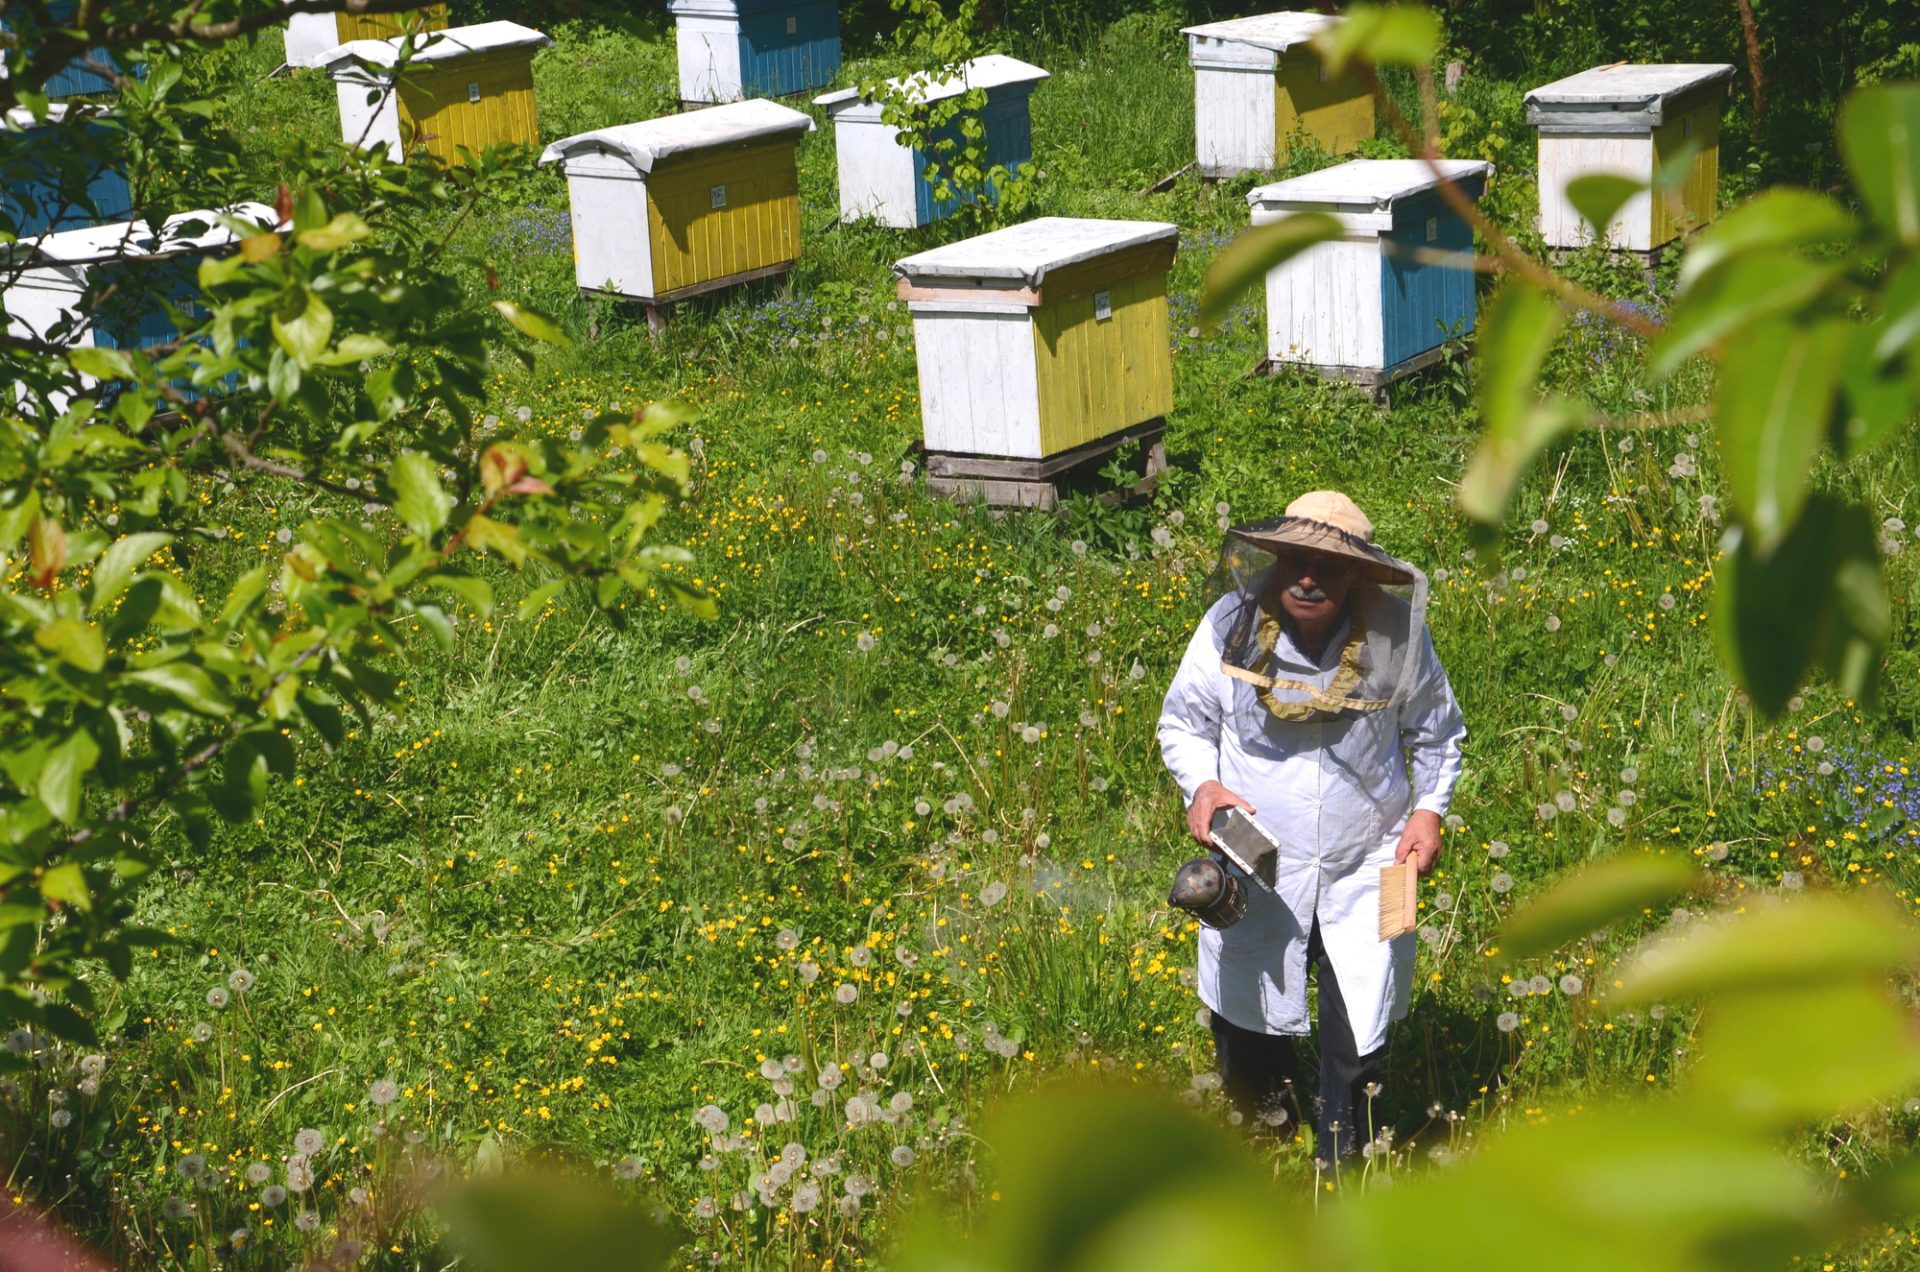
(471, 87)
(310, 36)
(1257, 81)
(684, 204)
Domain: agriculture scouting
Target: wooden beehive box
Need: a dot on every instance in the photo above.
(1042, 338)
(1375, 304)
(471, 87)
(78, 78)
(1257, 80)
(735, 49)
(108, 286)
(37, 206)
(310, 36)
(684, 204)
(1631, 120)
(882, 179)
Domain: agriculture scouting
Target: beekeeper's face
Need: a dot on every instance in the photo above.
(1313, 586)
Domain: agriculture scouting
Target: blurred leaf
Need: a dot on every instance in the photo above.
(526, 1222)
(533, 602)
(1112, 1181)
(1386, 35)
(1880, 136)
(475, 591)
(422, 502)
(1745, 290)
(1804, 1053)
(1776, 394)
(101, 363)
(63, 775)
(118, 562)
(1770, 221)
(1599, 196)
(67, 884)
(189, 685)
(1814, 940)
(1617, 888)
(484, 534)
(1859, 624)
(1878, 399)
(533, 323)
(1595, 1189)
(304, 331)
(344, 228)
(74, 641)
(1244, 263)
(1675, 167)
(1516, 335)
(1772, 614)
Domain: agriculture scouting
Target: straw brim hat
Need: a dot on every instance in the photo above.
(1327, 521)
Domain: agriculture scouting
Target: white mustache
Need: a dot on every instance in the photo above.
(1300, 593)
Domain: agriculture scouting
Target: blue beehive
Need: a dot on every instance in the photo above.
(76, 79)
(33, 151)
(109, 286)
(882, 179)
(734, 49)
(1382, 300)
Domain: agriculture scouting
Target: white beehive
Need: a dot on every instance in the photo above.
(1632, 121)
(882, 179)
(469, 86)
(1376, 303)
(1257, 80)
(1043, 337)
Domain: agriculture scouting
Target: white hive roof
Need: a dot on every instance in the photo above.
(1276, 31)
(1023, 255)
(1634, 93)
(645, 144)
(1371, 183)
(98, 244)
(443, 46)
(995, 70)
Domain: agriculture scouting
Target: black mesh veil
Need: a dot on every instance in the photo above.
(1380, 657)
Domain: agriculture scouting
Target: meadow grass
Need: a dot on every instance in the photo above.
(759, 913)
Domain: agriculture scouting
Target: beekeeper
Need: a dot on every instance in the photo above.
(1311, 697)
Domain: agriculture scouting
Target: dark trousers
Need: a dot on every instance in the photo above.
(1261, 1072)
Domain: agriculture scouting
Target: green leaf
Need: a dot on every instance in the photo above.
(522, 1221)
(1243, 263)
(303, 328)
(1599, 196)
(1743, 291)
(1775, 399)
(1814, 940)
(1517, 333)
(187, 684)
(61, 783)
(1804, 1053)
(533, 602)
(423, 503)
(101, 363)
(345, 228)
(533, 323)
(67, 884)
(246, 589)
(1859, 627)
(1878, 399)
(353, 348)
(1774, 614)
(1405, 35)
(1617, 888)
(1880, 136)
(1772, 220)
(484, 534)
(74, 641)
(117, 564)
(475, 591)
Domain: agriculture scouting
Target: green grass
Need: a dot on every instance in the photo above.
(582, 886)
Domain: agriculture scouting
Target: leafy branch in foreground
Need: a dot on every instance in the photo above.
(154, 672)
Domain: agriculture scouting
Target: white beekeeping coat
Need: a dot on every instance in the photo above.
(1336, 794)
